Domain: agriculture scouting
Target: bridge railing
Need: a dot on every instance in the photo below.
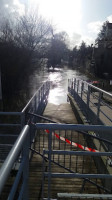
(95, 103)
(68, 141)
(19, 189)
(12, 122)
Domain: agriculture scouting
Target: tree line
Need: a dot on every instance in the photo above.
(24, 41)
(30, 39)
(95, 59)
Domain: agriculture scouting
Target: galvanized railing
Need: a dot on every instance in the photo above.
(12, 122)
(92, 101)
(19, 189)
(63, 146)
(58, 142)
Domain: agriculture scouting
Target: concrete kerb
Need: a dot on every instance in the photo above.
(77, 111)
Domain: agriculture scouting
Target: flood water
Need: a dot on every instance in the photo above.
(59, 79)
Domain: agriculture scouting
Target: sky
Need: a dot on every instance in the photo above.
(81, 19)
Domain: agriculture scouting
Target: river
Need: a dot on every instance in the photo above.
(59, 79)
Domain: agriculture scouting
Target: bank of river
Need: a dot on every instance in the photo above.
(58, 93)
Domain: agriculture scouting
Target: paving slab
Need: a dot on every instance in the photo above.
(60, 113)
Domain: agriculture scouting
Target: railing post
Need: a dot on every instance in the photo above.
(43, 90)
(49, 166)
(98, 108)
(88, 96)
(68, 85)
(35, 104)
(39, 98)
(72, 86)
(68, 82)
(82, 89)
(43, 169)
(10, 160)
(26, 166)
(41, 93)
(77, 86)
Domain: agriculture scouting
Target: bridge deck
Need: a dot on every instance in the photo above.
(61, 113)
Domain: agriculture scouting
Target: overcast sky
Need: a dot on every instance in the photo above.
(81, 19)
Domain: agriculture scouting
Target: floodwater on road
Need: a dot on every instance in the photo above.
(59, 87)
(59, 78)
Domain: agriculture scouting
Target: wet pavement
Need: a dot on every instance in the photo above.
(60, 113)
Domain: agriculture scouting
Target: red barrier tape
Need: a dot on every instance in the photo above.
(73, 143)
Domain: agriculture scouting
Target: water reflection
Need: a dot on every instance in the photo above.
(58, 92)
(59, 79)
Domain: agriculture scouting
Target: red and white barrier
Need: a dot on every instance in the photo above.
(72, 143)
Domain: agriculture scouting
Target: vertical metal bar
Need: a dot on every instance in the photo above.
(98, 108)
(41, 93)
(77, 155)
(72, 86)
(59, 140)
(12, 156)
(39, 97)
(68, 86)
(26, 166)
(82, 89)
(71, 150)
(43, 169)
(88, 96)
(35, 104)
(43, 89)
(53, 140)
(77, 86)
(43, 139)
(83, 161)
(65, 149)
(74, 83)
(16, 182)
(59, 149)
(68, 82)
(49, 165)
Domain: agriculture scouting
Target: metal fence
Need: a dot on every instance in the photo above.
(82, 154)
(12, 122)
(95, 103)
(14, 146)
(19, 189)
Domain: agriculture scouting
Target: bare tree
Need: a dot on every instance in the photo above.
(19, 41)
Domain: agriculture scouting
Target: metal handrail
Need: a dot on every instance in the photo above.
(84, 94)
(37, 103)
(75, 127)
(12, 156)
(98, 89)
(45, 86)
(10, 113)
(84, 196)
(92, 86)
(65, 131)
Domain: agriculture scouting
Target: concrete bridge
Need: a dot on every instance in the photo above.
(64, 150)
